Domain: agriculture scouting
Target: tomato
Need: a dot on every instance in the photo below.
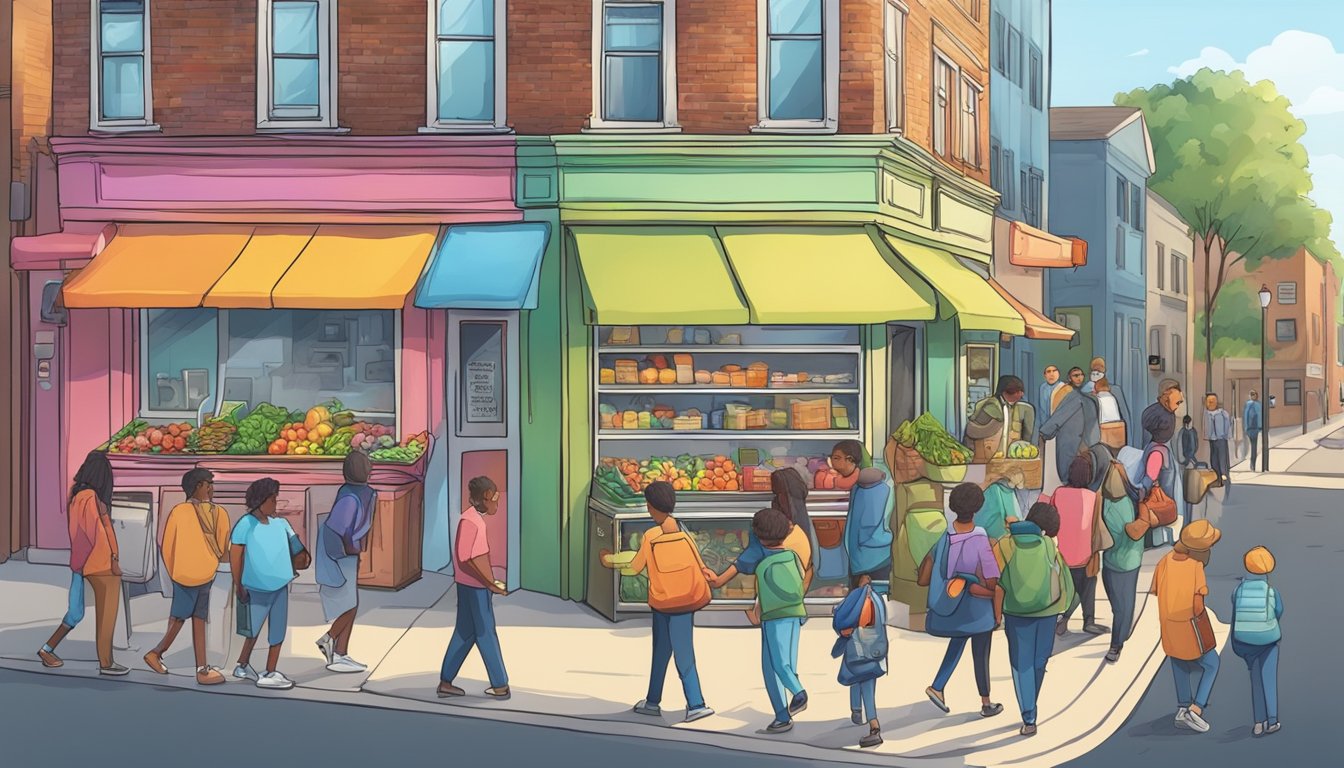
(179, 443)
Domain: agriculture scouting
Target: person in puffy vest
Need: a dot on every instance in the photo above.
(1256, 610)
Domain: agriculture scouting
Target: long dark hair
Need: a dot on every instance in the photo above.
(790, 492)
(95, 474)
(259, 491)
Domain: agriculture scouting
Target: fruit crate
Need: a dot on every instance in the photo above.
(1033, 470)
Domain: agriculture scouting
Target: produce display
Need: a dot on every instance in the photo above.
(685, 473)
(214, 437)
(1020, 449)
(932, 441)
(410, 449)
(804, 414)
(259, 429)
(140, 436)
(680, 370)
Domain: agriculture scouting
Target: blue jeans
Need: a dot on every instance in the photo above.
(1122, 589)
(1207, 667)
(779, 663)
(1253, 437)
(475, 627)
(74, 612)
(673, 636)
(1030, 643)
(1263, 663)
(979, 655)
(865, 693)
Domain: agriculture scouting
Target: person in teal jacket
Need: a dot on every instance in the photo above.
(867, 526)
(1001, 506)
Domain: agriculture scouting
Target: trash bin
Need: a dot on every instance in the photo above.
(132, 520)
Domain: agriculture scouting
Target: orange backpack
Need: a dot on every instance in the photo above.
(676, 582)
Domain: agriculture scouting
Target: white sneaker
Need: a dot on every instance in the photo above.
(346, 665)
(328, 648)
(1180, 717)
(245, 672)
(276, 681)
(1195, 723)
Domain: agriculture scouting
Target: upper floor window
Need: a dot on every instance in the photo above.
(466, 64)
(894, 47)
(944, 105)
(1036, 79)
(1162, 268)
(1136, 206)
(1033, 197)
(1014, 55)
(1178, 274)
(296, 64)
(1177, 353)
(798, 70)
(1122, 199)
(121, 84)
(968, 132)
(1119, 247)
(998, 27)
(634, 67)
(1285, 330)
(1287, 293)
(971, 7)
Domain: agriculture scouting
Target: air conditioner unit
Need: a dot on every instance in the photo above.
(1156, 363)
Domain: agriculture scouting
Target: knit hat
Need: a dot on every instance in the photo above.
(1259, 561)
(1198, 536)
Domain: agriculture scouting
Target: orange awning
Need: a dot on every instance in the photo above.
(150, 266)
(371, 266)
(1032, 247)
(268, 255)
(1038, 325)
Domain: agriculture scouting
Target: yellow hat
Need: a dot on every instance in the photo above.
(1259, 561)
(1200, 535)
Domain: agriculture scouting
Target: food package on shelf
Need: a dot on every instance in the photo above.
(720, 379)
(648, 376)
(629, 420)
(758, 375)
(702, 336)
(676, 336)
(606, 376)
(704, 377)
(810, 415)
(779, 418)
(737, 379)
(685, 423)
(685, 369)
(748, 457)
(645, 420)
(667, 376)
(627, 372)
(731, 338)
(623, 335)
(606, 415)
(840, 417)
(658, 361)
(838, 378)
(755, 479)
(758, 419)
(664, 411)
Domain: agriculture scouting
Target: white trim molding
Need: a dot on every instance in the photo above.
(321, 117)
(668, 52)
(97, 122)
(498, 39)
(830, 74)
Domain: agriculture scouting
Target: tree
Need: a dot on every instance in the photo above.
(1235, 326)
(1229, 157)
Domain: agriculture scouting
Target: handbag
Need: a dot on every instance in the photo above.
(1204, 632)
(864, 655)
(953, 611)
(1161, 505)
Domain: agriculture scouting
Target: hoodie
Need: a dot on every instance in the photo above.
(867, 523)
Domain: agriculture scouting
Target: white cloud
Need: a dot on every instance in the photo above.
(1140, 52)
(1304, 66)
(1213, 58)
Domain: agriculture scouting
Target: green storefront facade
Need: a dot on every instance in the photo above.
(881, 195)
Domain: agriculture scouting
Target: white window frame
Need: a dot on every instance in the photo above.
(968, 116)
(669, 122)
(947, 151)
(327, 86)
(894, 18)
(1286, 292)
(433, 123)
(830, 74)
(96, 121)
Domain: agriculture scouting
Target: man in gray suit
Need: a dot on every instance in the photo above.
(1074, 426)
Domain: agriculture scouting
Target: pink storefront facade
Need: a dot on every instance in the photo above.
(88, 363)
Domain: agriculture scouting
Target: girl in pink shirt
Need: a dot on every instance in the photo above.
(1077, 505)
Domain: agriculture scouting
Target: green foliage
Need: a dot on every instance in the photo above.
(1236, 323)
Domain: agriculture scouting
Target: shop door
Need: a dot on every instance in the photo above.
(45, 465)
(904, 356)
(482, 435)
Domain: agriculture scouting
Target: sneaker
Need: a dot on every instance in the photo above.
(1112, 655)
(1195, 723)
(1273, 728)
(856, 716)
(1093, 628)
(1258, 729)
(779, 726)
(500, 694)
(245, 672)
(645, 708)
(1180, 717)
(1028, 729)
(345, 665)
(937, 698)
(49, 659)
(114, 670)
(799, 703)
(208, 675)
(275, 681)
(698, 713)
(446, 690)
(328, 648)
(990, 710)
(873, 739)
(154, 660)
(1061, 628)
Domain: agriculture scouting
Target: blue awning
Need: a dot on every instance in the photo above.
(485, 266)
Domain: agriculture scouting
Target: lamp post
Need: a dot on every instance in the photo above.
(1265, 297)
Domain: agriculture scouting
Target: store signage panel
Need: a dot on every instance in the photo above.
(481, 385)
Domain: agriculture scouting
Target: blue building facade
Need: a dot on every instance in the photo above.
(1101, 159)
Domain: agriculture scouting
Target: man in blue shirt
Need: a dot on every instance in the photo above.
(1253, 422)
(1217, 430)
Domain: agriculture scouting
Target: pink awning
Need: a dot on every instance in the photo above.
(72, 247)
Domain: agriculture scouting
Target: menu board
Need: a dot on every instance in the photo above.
(481, 389)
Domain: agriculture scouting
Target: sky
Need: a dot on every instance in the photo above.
(1102, 47)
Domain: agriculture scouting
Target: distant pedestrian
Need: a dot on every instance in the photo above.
(1050, 392)
(475, 626)
(1034, 590)
(93, 558)
(961, 574)
(1256, 611)
(339, 543)
(265, 556)
(1121, 562)
(1252, 421)
(678, 588)
(1188, 444)
(860, 621)
(195, 542)
(1072, 428)
(1218, 431)
(1112, 413)
(1158, 466)
(1187, 634)
(1076, 504)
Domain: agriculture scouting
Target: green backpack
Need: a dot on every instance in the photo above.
(1031, 578)
(779, 585)
(922, 530)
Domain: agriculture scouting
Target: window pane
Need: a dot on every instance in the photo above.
(466, 80)
(796, 91)
(795, 17)
(634, 28)
(294, 28)
(122, 32)
(181, 358)
(123, 96)
(296, 82)
(632, 89)
(467, 17)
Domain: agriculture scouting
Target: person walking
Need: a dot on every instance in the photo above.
(678, 588)
(1033, 591)
(1187, 634)
(1121, 562)
(1188, 444)
(1157, 466)
(94, 559)
(195, 543)
(786, 500)
(472, 573)
(1252, 422)
(265, 555)
(868, 519)
(1256, 632)
(1073, 427)
(340, 540)
(861, 623)
(1112, 414)
(1076, 505)
(1049, 391)
(1218, 431)
(961, 574)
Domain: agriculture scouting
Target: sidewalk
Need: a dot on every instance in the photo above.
(1288, 446)
(572, 669)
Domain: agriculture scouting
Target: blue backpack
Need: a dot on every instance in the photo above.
(1255, 622)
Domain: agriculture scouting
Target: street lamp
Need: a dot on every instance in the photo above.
(1265, 297)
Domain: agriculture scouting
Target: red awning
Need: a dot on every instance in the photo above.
(1038, 325)
(72, 247)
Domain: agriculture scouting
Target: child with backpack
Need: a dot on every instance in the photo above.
(779, 587)
(1128, 525)
(1034, 590)
(1256, 610)
(861, 623)
(677, 589)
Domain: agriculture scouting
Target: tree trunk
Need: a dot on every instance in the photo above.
(1208, 315)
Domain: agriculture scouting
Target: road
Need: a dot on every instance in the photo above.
(1305, 531)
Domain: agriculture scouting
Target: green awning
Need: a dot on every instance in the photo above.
(656, 276)
(821, 276)
(962, 292)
